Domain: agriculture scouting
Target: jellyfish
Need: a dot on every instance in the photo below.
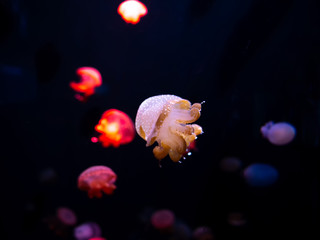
(62, 221)
(87, 231)
(97, 179)
(90, 78)
(132, 10)
(163, 219)
(203, 233)
(97, 238)
(66, 216)
(280, 133)
(116, 128)
(230, 164)
(260, 174)
(165, 119)
(236, 219)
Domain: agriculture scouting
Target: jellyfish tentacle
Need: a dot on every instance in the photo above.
(161, 152)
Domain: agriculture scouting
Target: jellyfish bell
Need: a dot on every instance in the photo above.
(116, 128)
(166, 119)
(230, 164)
(97, 179)
(236, 219)
(66, 216)
(279, 134)
(260, 174)
(203, 233)
(163, 219)
(132, 10)
(87, 230)
(90, 78)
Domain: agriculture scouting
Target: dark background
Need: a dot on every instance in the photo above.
(251, 61)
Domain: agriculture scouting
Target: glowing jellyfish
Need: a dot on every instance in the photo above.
(97, 179)
(260, 174)
(230, 164)
(203, 233)
(280, 133)
(116, 128)
(90, 78)
(163, 219)
(165, 119)
(236, 219)
(97, 238)
(132, 10)
(66, 216)
(62, 221)
(87, 231)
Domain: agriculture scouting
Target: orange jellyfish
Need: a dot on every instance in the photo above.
(132, 10)
(116, 128)
(97, 179)
(90, 78)
(165, 119)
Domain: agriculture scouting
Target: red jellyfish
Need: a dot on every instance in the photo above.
(97, 179)
(163, 219)
(116, 128)
(132, 10)
(90, 78)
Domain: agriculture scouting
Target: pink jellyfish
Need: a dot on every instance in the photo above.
(87, 231)
(90, 78)
(279, 134)
(97, 179)
(203, 233)
(163, 219)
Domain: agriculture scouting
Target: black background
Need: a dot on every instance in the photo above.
(251, 61)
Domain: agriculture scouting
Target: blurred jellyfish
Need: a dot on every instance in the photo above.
(260, 174)
(90, 79)
(132, 10)
(230, 164)
(236, 219)
(163, 219)
(87, 231)
(166, 119)
(116, 128)
(48, 176)
(66, 216)
(97, 179)
(203, 233)
(181, 231)
(62, 221)
(280, 133)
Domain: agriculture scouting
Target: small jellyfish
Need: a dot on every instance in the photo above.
(260, 174)
(165, 119)
(230, 164)
(62, 221)
(163, 219)
(279, 134)
(66, 216)
(90, 78)
(97, 179)
(203, 233)
(236, 219)
(87, 231)
(132, 10)
(116, 128)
